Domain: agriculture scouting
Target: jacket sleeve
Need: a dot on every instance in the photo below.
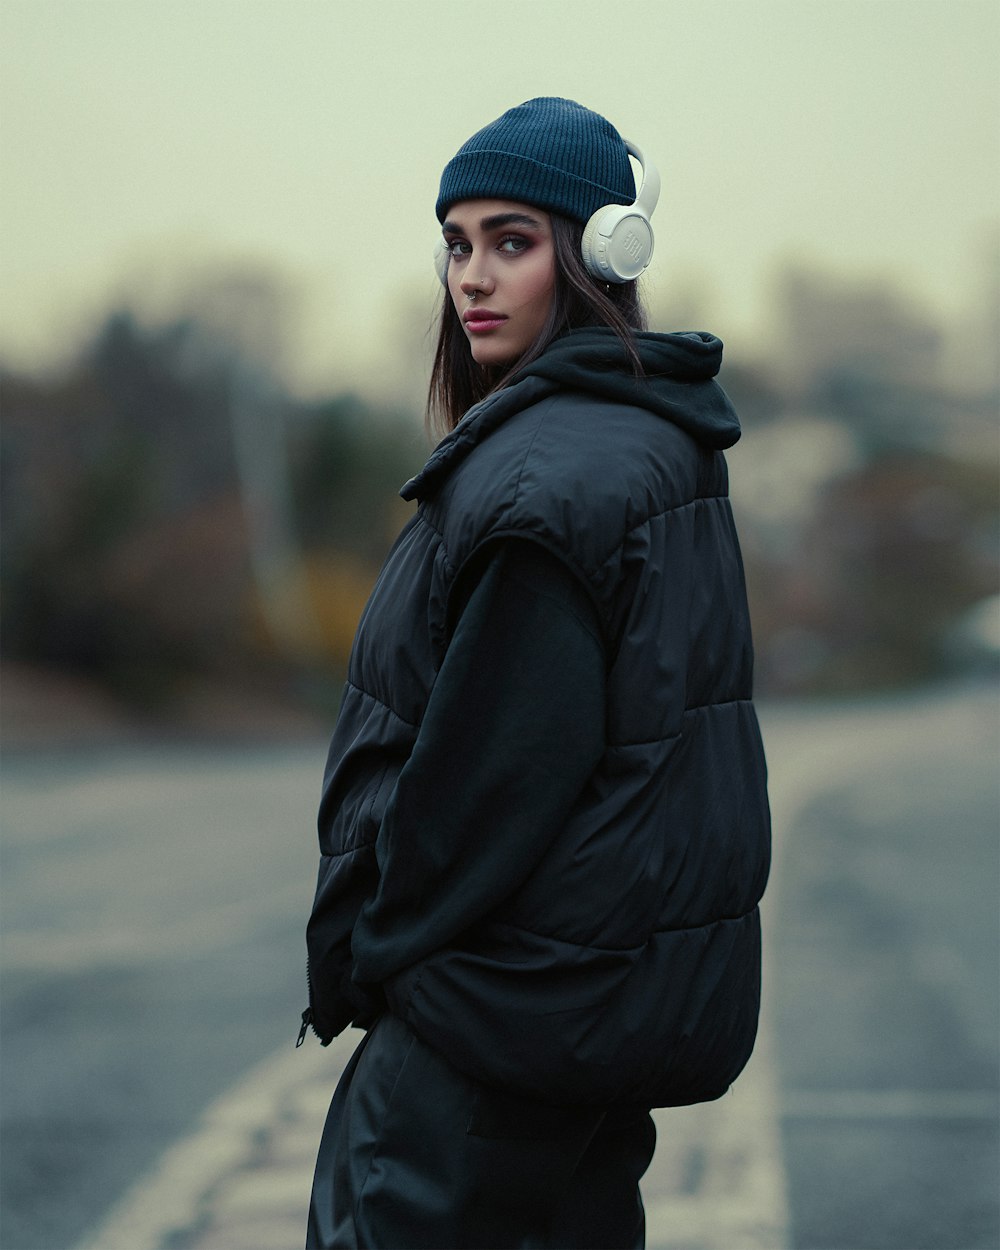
(513, 729)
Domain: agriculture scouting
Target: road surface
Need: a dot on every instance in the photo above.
(153, 903)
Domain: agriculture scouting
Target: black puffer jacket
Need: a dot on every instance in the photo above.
(627, 966)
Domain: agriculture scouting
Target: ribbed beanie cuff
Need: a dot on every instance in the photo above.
(551, 153)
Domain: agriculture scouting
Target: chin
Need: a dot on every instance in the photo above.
(491, 355)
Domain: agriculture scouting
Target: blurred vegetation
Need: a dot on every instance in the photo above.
(139, 551)
(172, 513)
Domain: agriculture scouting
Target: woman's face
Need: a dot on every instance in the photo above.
(501, 275)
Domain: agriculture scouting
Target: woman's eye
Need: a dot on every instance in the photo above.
(457, 247)
(513, 244)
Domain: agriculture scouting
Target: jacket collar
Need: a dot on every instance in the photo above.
(479, 422)
(678, 384)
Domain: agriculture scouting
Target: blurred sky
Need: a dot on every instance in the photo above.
(143, 141)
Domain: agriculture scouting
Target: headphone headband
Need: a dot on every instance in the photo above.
(649, 187)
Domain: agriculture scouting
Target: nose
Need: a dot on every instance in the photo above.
(476, 278)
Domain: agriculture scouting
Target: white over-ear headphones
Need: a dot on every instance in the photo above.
(618, 239)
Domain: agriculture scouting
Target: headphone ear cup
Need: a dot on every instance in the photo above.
(617, 243)
(593, 261)
(441, 258)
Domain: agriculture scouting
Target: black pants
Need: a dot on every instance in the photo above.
(417, 1156)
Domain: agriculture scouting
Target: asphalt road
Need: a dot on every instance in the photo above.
(885, 977)
(153, 902)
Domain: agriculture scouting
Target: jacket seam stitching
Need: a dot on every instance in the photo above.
(621, 950)
(350, 850)
(626, 534)
(698, 707)
(382, 703)
(528, 450)
(377, 790)
(435, 529)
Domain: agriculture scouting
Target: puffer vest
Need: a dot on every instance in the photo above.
(627, 967)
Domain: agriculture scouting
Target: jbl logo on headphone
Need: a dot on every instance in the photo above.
(632, 245)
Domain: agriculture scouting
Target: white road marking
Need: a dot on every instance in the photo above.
(738, 1196)
(171, 1196)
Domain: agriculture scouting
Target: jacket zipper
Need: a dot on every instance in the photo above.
(307, 1015)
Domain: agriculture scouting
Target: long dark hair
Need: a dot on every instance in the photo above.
(457, 382)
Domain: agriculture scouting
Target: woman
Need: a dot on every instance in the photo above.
(544, 824)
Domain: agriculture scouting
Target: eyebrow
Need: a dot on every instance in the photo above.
(496, 222)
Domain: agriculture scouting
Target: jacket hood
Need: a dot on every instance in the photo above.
(678, 384)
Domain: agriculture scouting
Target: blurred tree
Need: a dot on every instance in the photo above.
(143, 495)
(892, 555)
(98, 467)
(348, 464)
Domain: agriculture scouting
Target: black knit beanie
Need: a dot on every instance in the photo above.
(552, 153)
